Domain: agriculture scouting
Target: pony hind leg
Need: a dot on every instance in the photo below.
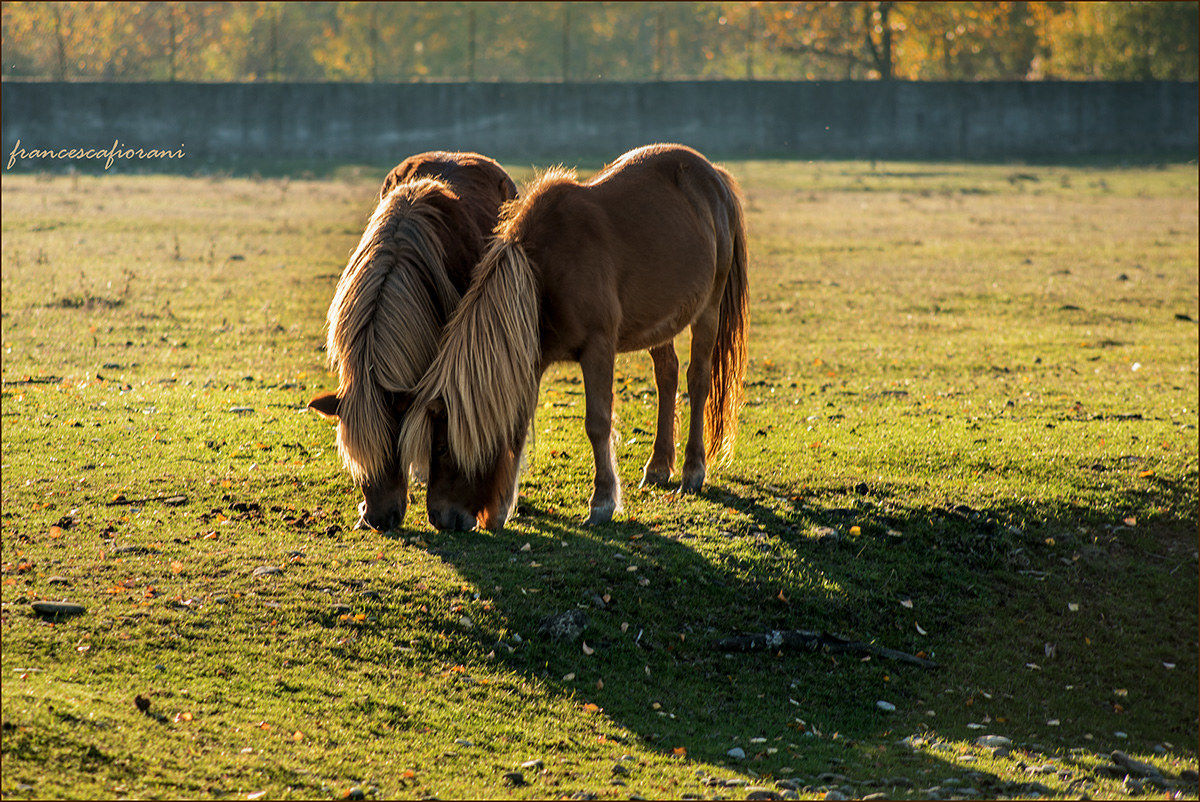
(699, 380)
(666, 379)
(597, 363)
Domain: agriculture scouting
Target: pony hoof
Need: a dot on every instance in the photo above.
(655, 478)
(692, 484)
(600, 515)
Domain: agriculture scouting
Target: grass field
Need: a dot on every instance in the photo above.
(970, 434)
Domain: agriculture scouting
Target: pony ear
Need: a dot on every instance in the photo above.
(326, 405)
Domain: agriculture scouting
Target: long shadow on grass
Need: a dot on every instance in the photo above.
(658, 601)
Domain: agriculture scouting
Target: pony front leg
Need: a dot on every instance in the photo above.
(666, 379)
(699, 379)
(597, 364)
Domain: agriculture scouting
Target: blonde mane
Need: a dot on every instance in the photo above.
(486, 368)
(516, 210)
(385, 320)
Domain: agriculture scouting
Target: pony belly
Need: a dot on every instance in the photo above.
(652, 331)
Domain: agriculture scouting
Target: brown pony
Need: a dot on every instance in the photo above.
(579, 272)
(429, 229)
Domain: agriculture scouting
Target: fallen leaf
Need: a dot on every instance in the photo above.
(679, 751)
(1146, 473)
(587, 649)
(297, 736)
(591, 708)
(919, 630)
(176, 567)
(906, 603)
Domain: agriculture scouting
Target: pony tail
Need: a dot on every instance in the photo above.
(486, 367)
(729, 352)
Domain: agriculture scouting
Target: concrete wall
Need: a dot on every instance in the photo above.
(244, 123)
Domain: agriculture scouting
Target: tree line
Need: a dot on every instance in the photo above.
(599, 41)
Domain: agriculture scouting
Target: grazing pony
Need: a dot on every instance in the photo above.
(414, 261)
(579, 272)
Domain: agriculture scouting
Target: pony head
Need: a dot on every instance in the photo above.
(468, 421)
(385, 487)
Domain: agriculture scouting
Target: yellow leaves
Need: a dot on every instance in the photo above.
(679, 751)
(297, 736)
(1145, 474)
(591, 707)
(176, 567)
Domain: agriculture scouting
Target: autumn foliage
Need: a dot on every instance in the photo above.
(589, 41)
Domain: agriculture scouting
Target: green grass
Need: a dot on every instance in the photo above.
(979, 367)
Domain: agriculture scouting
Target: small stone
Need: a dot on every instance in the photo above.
(827, 534)
(898, 782)
(1134, 767)
(134, 549)
(886, 707)
(993, 741)
(787, 785)
(1121, 735)
(966, 758)
(1000, 751)
(56, 611)
(354, 793)
(877, 795)
(619, 770)
(58, 580)
(514, 779)
(834, 796)
(566, 626)
(737, 753)
(733, 782)
(533, 765)
(463, 742)
(266, 570)
(762, 793)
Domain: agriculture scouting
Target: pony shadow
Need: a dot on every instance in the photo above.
(658, 601)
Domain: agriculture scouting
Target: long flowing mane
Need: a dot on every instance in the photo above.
(486, 368)
(385, 318)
